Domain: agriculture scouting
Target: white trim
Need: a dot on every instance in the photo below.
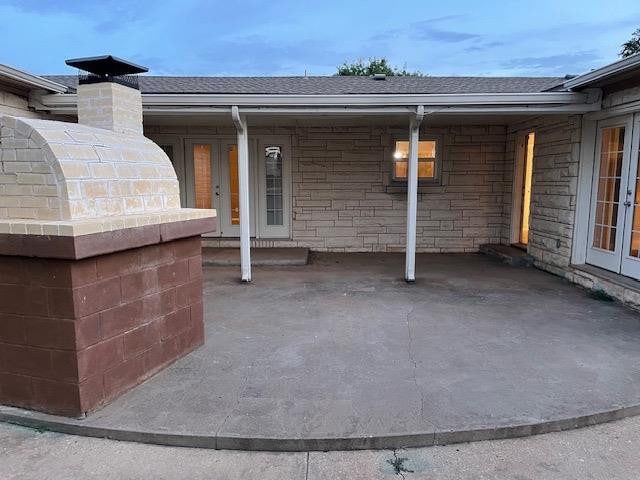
(630, 265)
(615, 68)
(265, 230)
(583, 197)
(165, 104)
(610, 259)
(243, 183)
(412, 195)
(30, 80)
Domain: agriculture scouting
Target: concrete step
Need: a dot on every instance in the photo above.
(213, 256)
(506, 253)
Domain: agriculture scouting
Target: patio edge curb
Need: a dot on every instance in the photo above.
(70, 426)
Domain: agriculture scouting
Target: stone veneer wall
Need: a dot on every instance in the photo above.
(554, 188)
(343, 198)
(13, 104)
(76, 333)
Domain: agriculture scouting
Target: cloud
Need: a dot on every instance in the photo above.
(558, 64)
(428, 30)
(484, 46)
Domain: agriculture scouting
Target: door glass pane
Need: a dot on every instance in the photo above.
(608, 195)
(273, 166)
(234, 192)
(634, 249)
(202, 175)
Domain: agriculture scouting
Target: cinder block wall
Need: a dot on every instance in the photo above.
(75, 334)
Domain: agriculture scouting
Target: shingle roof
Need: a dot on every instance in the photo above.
(335, 85)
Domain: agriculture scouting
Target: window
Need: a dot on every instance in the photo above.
(427, 165)
(234, 185)
(202, 175)
(273, 175)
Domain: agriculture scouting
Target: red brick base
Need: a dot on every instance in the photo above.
(76, 333)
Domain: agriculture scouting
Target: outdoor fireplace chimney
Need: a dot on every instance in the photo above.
(108, 94)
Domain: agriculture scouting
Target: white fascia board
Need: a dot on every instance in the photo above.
(355, 111)
(615, 68)
(24, 78)
(347, 104)
(364, 100)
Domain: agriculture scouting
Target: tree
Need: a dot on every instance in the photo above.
(632, 46)
(372, 66)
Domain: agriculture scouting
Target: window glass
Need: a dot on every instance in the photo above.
(273, 167)
(234, 186)
(608, 199)
(202, 175)
(426, 160)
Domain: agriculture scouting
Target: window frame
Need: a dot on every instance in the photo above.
(393, 181)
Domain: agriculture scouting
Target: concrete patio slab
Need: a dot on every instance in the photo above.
(343, 354)
(224, 257)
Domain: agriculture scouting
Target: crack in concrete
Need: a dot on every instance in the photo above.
(413, 361)
(243, 384)
(398, 464)
(306, 475)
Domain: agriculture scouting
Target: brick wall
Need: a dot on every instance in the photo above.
(52, 170)
(110, 106)
(74, 334)
(554, 188)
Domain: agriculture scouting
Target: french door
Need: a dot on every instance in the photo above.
(211, 180)
(614, 234)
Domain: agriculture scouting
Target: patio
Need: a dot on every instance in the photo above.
(343, 354)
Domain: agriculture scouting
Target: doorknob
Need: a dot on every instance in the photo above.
(217, 190)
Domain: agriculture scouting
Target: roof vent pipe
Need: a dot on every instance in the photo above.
(379, 76)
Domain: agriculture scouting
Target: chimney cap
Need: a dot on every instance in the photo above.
(106, 66)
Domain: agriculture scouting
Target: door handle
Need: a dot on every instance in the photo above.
(627, 203)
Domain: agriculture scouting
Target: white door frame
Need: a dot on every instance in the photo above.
(609, 260)
(226, 228)
(284, 142)
(189, 176)
(630, 266)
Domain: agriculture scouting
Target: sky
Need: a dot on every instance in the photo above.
(288, 37)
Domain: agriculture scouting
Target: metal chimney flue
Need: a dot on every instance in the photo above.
(107, 68)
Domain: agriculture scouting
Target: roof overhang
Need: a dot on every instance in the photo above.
(611, 73)
(28, 81)
(500, 103)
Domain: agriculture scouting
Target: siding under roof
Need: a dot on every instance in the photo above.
(334, 85)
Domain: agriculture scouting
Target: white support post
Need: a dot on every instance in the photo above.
(243, 187)
(412, 196)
